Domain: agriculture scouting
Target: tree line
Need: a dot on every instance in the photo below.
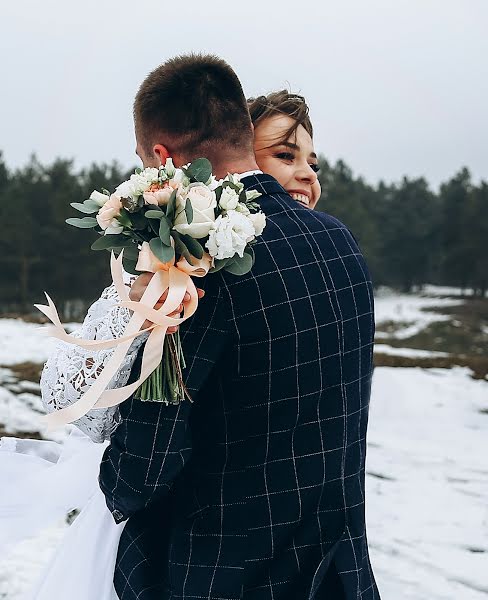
(409, 234)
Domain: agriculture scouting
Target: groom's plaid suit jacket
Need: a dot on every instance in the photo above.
(256, 489)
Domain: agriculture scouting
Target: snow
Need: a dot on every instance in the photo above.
(427, 484)
(411, 310)
(444, 290)
(427, 471)
(407, 352)
(25, 342)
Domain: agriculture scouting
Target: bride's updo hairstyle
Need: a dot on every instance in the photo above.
(282, 103)
(195, 106)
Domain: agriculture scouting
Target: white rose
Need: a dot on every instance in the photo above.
(229, 199)
(213, 183)
(99, 198)
(150, 175)
(259, 222)
(127, 189)
(142, 181)
(230, 235)
(203, 202)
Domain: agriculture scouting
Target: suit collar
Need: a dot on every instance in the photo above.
(264, 183)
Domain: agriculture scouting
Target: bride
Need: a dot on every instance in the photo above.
(46, 479)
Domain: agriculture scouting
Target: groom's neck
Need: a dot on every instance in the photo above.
(234, 166)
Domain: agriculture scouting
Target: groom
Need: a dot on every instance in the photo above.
(255, 489)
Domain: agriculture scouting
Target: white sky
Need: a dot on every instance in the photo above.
(395, 86)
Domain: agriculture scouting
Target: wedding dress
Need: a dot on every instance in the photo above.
(42, 481)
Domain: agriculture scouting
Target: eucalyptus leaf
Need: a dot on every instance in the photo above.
(240, 266)
(129, 266)
(138, 221)
(83, 208)
(162, 252)
(124, 218)
(89, 203)
(189, 211)
(154, 214)
(171, 207)
(131, 252)
(193, 246)
(164, 232)
(154, 225)
(200, 170)
(220, 264)
(107, 242)
(250, 250)
(84, 223)
(181, 248)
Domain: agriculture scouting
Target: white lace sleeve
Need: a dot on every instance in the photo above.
(70, 370)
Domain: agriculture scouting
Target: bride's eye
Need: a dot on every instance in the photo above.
(315, 167)
(284, 155)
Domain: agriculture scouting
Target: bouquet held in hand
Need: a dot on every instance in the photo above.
(176, 223)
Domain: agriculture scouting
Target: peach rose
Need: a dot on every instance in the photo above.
(107, 214)
(158, 197)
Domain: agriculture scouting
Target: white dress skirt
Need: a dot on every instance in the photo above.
(42, 481)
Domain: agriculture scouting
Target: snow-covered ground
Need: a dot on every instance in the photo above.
(411, 311)
(25, 342)
(427, 481)
(407, 352)
(427, 484)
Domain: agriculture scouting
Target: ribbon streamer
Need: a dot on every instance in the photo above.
(176, 278)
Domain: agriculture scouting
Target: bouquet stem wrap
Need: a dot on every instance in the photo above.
(173, 277)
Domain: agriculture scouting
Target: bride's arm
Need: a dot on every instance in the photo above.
(70, 370)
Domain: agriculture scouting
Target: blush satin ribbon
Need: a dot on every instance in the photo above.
(174, 277)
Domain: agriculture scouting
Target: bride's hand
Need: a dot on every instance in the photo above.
(139, 287)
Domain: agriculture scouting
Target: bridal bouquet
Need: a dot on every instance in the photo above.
(177, 223)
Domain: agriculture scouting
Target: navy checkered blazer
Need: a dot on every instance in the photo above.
(255, 489)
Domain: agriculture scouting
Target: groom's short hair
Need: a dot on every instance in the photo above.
(193, 102)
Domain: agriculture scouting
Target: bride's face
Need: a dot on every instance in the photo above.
(293, 163)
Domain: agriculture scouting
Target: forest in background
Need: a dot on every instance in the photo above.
(409, 234)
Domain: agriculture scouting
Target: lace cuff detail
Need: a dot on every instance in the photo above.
(70, 370)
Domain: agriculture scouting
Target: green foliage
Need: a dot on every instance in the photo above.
(160, 251)
(84, 223)
(409, 234)
(38, 250)
(240, 266)
(199, 170)
(189, 212)
(193, 245)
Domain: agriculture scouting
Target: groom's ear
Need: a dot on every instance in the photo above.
(162, 152)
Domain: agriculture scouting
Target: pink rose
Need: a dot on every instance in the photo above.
(158, 197)
(107, 214)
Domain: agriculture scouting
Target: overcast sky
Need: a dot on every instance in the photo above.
(395, 86)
